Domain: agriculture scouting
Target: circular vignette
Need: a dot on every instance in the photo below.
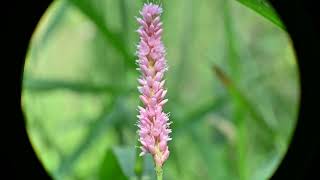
(51, 118)
(299, 51)
(86, 34)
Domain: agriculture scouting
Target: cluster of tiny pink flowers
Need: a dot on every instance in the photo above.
(153, 123)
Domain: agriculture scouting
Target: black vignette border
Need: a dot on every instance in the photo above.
(18, 160)
(301, 159)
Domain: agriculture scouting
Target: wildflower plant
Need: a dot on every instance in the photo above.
(153, 123)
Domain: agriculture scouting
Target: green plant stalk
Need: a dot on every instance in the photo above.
(242, 145)
(159, 172)
(238, 111)
(239, 114)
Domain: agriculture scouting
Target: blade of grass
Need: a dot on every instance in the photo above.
(41, 38)
(197, 115)
(239, 113)
(124, 19)
(40, 85)
(117, 164)
(101, 125)
(241, 144)
(233, 54)
(126, 157)
(249, 106)
(263, 8)
(112, 37)
(148, 168)
(38, 127)
(144, 166)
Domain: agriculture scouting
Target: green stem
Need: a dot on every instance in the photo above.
(159, 172)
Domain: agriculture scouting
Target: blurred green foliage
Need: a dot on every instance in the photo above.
(232, 89)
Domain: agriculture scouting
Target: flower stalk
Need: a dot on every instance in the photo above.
(153, 123)
(159, 172)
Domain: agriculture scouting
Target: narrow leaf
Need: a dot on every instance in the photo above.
(126, 158)
(197, 115)
(41, 85)
(111, 167)
(148, 168)
(98, 127)
(113, 38)
(41, 37)
(264, 9)
(118, 163)
(248, 105)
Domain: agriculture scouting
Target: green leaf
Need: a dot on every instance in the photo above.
(197, 115)
(38, 127)
(144, 167)
(238, 111)
(41, 85)
(118, 163)
(148, 168)
(99, 126)
(41, 38)
(88, 8)
(264, 9)
(235, 91)
(126, 157)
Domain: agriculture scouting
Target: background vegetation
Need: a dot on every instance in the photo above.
(232, 89)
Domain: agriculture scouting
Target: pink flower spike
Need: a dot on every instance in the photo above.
(153, 123)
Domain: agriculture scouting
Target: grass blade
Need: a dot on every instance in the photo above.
(249, 106)
(197, 115)
(118, 163)
(40, 85)
(263, 8)
(112, 37)
(97, 128)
